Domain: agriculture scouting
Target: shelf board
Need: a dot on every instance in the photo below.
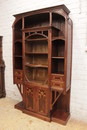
(37, 53)
(57, 57)
(18, 40)
(37, 39)
(36, 28)
(59, 89)
(58, 38)
(39, 28)
(59, 73)
(36, 66)
(18, 56)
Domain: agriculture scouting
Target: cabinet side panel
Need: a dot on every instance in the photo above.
(69, 59)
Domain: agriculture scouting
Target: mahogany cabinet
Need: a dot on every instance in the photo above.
(42, 60)
(2, 68)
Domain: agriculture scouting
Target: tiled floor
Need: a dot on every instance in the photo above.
(13, 119)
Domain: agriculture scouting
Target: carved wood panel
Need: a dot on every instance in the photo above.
(43, 101)
(30, 98)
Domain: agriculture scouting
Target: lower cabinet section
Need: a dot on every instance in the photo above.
(44, 103)
(37, 99)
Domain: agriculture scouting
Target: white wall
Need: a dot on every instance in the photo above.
(78, 14)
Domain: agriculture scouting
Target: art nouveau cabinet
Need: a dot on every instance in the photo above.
(42, 58)
(2, 68)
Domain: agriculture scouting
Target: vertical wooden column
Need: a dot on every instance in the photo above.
(49, 49)
(49, 59)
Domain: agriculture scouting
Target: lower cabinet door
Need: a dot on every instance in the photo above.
(37, 99)
(43, 101)
(30, 98)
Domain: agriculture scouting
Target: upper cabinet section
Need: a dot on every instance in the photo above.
(53, 16)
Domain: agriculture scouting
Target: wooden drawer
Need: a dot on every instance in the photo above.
(57, 77)
(18, 73)
(55, 83)
(18, 79)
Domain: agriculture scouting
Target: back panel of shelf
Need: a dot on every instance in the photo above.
(37, 20)
(58, 48)
(36, 46)
(57, 66)
(18, 48)
(58, 22)
(18, 63)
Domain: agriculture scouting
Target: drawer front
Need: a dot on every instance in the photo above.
(18, 80)
(59, 84)
(57, 77)
(18, 73)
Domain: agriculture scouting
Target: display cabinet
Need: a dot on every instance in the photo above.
(42, 60)
(2, 69)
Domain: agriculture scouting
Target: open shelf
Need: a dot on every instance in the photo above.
(37, 20)
(58, 38)
(18, 34)
(57, 66)
(58, 22)
(36, 59)
(38, 39)
(36, 66)
(36, 47)
(17, 56)
(58, 88)
(39, 75)
(57, 57)
(18, 40)
(36, 53)
(18, 48)
(18, 63)
(58, 48)
(58, 74)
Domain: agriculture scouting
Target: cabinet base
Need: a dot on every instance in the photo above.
(20, 106)
(58, 116)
